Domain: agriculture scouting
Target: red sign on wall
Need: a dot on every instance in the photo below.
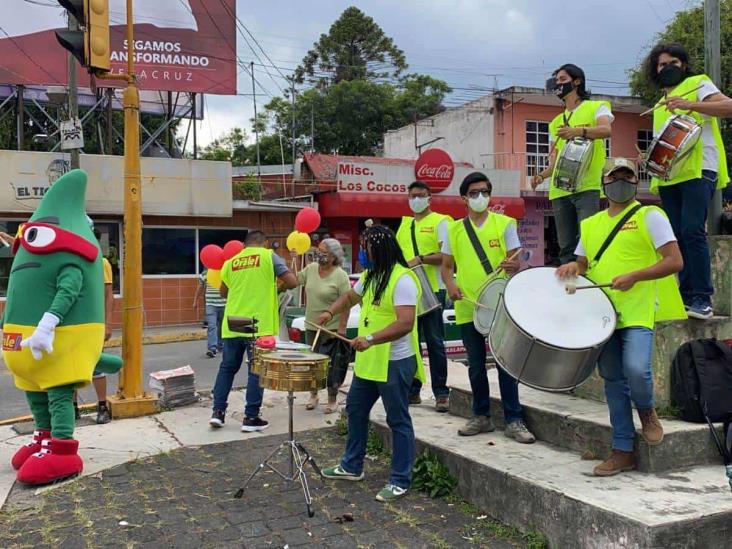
(435, 167)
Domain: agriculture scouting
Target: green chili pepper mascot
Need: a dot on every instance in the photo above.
(53, 325)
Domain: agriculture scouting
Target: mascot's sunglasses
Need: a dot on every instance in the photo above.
(42, 238)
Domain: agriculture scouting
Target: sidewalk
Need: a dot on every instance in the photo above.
(169, 479)
(162, 334)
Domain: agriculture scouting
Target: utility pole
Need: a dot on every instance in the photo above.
(20, 108)
(713, 68)
(256, 122)
(73, 90)
(312, 126)
(292, 94)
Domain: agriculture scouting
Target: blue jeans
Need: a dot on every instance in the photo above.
(474, 343)
(234, 349)
(214, 318)
(625, 365)
(431, 329)
(687, 205)
(569, 211)
(394, 393)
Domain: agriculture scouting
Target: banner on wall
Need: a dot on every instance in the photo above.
(180, 45)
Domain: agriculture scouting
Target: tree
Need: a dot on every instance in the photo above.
(231, 146)
(354, 48)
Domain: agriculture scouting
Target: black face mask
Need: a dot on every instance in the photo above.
(563, 90)
(620, 191)
(670, 76)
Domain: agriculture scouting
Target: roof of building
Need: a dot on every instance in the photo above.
(273, 169)
(539, 96)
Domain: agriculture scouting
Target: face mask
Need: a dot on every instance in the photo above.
(364, 260)
(321, 258)
(479, 203)
(670, 76)
(563, 90)
(418, 204)
(620, 191)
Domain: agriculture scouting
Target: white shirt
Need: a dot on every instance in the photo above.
(405, 293)
(711, 153)
(659, 228)
(441, 239)
(510, 235)
(602, 110)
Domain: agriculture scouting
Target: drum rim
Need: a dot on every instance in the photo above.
(666, 175)
(502, 300)
(483, 288)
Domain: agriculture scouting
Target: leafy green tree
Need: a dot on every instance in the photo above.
(231, 146)
(354, 48)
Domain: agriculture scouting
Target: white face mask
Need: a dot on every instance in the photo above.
(418, 204)
(479, 203)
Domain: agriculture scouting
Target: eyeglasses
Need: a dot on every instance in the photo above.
(476, 192)
(41, 238)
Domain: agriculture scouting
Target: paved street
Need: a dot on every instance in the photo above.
(157, 357)
(184, 498)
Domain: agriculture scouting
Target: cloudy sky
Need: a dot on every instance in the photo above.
(469, 43)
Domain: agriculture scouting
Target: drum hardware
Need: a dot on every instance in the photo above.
(572, 288)
(573, 163)
(242, 324)
(489, 295)
(673, 143)
(544, 340)
(428, 300)
(259, 351)
(287, 368)
(663, 102)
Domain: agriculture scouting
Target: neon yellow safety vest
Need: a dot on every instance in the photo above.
(471, 276)
(252, 285)
(373, 363)
(691, 166)
(582, 116)
(425, 232)
(631, 250)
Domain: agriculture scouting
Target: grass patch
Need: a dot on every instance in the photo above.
(375, 445)
(432, 477)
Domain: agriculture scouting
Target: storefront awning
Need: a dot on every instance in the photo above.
(341, 204)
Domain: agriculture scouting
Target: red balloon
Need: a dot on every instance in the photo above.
(307, 220)
(212, 256)
(231, 248)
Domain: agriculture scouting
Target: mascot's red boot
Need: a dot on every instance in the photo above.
(27, 450)
(58, 459)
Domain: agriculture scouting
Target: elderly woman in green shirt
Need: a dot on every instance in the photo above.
(325, 281)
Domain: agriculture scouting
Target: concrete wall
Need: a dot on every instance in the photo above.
(467, 134)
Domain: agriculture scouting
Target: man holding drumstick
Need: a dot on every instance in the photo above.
(640, 261)
(497, 238)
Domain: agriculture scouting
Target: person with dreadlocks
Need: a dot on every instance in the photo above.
(387, 359)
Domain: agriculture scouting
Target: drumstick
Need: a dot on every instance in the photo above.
(315, 341)
(329, 332)
(475, 303)
(513, 256)
(663, 102)
(570, 289)
(5, 242)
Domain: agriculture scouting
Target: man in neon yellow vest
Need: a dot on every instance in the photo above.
(249, 284)
(430, 231)
(498, 236)
(686, 195)
(582, 118)
(387, 358)
(640, 262)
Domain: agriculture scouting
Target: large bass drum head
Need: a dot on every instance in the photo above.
(538, 303)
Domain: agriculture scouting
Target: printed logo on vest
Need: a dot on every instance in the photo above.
(427, 230)
(241, 263)
(495, 243)
(631, 225)
(11, 342)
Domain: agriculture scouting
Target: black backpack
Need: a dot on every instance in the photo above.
(701, 381)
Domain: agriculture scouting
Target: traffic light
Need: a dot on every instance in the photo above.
(91, 43)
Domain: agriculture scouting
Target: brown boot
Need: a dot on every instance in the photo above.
(618, 462)
(652, 430)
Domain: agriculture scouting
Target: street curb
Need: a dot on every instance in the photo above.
(193, 335)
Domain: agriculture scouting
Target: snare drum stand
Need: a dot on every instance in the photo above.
(299, 457)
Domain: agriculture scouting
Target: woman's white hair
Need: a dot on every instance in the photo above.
(335, 249)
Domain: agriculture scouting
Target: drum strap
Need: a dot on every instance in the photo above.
(615, 231)
(477, 246)
(414, 239)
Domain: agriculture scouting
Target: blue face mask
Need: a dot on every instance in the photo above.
(364, 260)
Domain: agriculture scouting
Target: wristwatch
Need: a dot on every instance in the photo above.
(370, 339)
(421, 259)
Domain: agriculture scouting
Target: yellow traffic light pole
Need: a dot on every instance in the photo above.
(131, 399)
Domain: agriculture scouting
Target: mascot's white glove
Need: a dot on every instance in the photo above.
(42, 337)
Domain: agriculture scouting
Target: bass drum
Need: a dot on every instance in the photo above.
(546, 338)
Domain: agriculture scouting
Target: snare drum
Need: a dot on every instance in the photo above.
(293, 371)
(488, 297)
(674, 142)
(573, 163)
(546, 338)
(258, 352)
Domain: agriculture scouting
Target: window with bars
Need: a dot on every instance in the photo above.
(644, 140)
(537, 146)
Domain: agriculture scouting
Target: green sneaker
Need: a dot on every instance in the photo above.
(339, 473)
(390, 492)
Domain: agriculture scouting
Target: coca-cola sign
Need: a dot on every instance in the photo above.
(435, 167)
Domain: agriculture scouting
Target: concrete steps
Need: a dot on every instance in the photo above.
(583, 426)
(553, 490)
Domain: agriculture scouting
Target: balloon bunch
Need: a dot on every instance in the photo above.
(306, 221)
(213, 258)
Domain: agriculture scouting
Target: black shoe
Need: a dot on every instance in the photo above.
(252, 425)
(415, 399)
(218, 418)
(211, 353)
(77, 412)
(103, 415)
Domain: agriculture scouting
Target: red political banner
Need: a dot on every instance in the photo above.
(180, 45)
